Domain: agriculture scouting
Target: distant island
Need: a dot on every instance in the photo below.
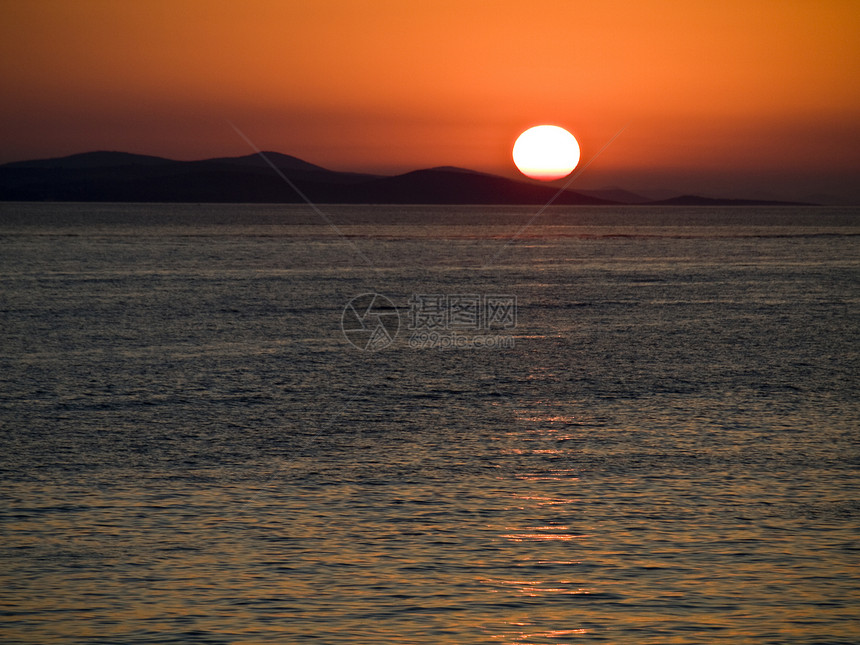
(125, 177)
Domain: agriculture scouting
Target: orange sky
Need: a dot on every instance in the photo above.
(751, 98)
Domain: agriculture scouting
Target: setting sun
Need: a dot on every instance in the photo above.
(546, 152)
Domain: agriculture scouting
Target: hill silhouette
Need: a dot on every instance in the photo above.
(110, 176)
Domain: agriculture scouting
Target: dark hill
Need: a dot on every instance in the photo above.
(124, 177)
(89, 160)
(457, 186)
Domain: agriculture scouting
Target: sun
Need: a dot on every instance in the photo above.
(546, 152)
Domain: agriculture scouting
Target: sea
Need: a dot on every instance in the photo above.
(429, 424)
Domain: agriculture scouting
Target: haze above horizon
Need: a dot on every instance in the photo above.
(723, 99)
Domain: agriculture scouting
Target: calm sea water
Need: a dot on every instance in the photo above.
(662, 449)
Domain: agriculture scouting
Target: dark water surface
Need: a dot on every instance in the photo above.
(663, 449)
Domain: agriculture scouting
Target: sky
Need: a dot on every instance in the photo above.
(756, 98)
